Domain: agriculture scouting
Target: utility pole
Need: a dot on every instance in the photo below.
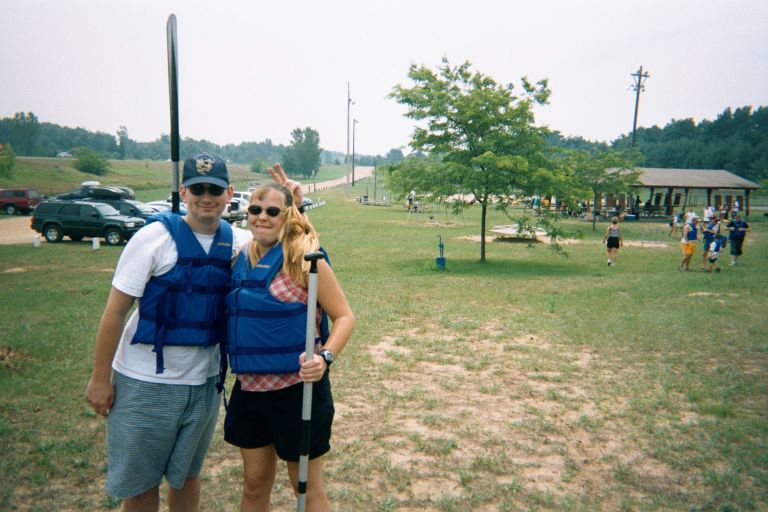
(354, 124)
(638, 85)
(349, 104)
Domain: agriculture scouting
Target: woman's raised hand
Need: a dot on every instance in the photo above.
(279, 177)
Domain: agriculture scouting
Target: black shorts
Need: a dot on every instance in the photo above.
(260, 418)
(612, 242)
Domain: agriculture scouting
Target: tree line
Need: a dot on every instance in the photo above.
(28, 136)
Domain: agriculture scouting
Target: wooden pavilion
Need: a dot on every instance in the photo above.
(675, 189)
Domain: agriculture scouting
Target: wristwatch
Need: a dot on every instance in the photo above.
(327, 355)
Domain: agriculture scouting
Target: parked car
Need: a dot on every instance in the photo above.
(14, 200)
(128, 207)
(162, 206)
(237, 210)
(97, 192)
(78, 219)
(246, 196)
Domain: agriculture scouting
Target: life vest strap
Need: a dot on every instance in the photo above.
(249, 283)
(233, 311)
(180, 323)
(201, 262)
(173, 286)
(265, 351)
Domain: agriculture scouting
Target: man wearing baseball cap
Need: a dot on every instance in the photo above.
(155, 376)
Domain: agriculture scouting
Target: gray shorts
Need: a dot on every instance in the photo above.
(155, 430)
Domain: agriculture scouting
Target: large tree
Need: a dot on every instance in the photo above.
(302, 156)
(7, 160)
(124, 143)
(480, 134)
(25, 131)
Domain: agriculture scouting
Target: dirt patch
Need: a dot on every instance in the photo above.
(512, 411)
(10, 358)
(15, 230)
(541, 239)
(647, 245)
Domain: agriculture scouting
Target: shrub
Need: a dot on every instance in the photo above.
(90, 162)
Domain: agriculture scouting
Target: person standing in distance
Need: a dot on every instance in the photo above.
(737, 231)
(155, 377)
(710, 231)
(613, 241)
(690, 236)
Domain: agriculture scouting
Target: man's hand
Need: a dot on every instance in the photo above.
(100, 395)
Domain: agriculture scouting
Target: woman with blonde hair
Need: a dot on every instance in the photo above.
(267, 316)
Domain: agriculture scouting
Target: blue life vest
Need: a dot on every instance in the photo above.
(264, 335)
(692, 234)
(708, 235)
(185, 306)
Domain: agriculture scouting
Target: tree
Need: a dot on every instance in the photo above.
(302, 156)
(124, 143)
(90, 162)
(25, 131)
(601, 172)
(395, 155)
(259, 165)
(480, 136)
(7, 160)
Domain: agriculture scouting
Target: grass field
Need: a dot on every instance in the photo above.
(533, 382)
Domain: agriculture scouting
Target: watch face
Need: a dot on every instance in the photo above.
(327, 355)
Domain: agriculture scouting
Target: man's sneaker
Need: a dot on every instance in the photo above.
(717, 269)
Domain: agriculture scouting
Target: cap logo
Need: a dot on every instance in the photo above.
(204, 165)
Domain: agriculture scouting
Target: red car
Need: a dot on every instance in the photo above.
(14, 200)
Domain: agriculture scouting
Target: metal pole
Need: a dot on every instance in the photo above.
(306, 403)
(349, 102)
(354, 124)
(173, 89)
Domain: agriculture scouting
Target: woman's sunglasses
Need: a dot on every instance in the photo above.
(272, 211)
(199, 189)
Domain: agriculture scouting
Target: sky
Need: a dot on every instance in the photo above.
(251, 70)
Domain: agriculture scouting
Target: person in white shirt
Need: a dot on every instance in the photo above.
(159, 394)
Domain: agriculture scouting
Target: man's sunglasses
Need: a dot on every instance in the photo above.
(199, 189)
(272, 211)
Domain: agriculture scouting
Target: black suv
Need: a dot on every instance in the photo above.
(98, 192)
(127, 207)
(78, 219)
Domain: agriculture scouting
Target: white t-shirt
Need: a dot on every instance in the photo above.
(152, 252)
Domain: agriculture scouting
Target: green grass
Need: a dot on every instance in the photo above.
(534, 381)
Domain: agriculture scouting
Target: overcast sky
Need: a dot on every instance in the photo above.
(251, 70)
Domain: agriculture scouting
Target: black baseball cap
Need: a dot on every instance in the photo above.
(205, 168)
